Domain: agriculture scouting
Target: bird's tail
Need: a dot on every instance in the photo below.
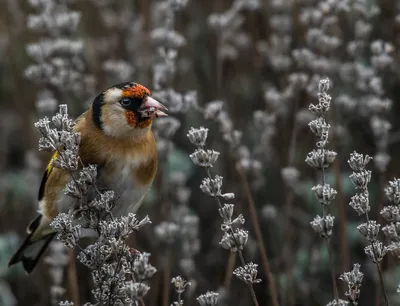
(38, 238)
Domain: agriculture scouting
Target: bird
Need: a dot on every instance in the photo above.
(116, 136)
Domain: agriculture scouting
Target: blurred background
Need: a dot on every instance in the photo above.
(245, 69)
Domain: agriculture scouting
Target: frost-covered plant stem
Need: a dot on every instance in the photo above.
(360, 203)
(180, 285)
(233, 240)
(240, 253)
(319, 159)
(215, 111)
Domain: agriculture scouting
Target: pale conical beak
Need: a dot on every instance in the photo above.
(152, 108)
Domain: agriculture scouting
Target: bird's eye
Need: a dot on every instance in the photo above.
(125, 102)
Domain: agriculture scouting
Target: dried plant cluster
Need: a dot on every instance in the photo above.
(269, 104)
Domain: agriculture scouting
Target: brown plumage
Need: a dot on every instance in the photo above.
(116, 136)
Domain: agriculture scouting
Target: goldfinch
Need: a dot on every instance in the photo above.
(116, 136)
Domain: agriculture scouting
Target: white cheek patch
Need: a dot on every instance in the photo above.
(116, 124)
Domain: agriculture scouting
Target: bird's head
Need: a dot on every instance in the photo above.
(126, 109)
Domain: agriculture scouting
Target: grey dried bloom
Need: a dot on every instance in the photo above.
(228, 196)
(66, 303)
(320, 128)
(391, 213)
(168, 126)
(323, 85)
(341, 303)
(381, 160)
(167, 232)
(290, 176)
(67, 233)
(204, 158)
(134, 291)
(358, 162)
(226, 212)
(236, 241)
(325, 194)
(353, 280)
(180, 284)
(376, 251)
(320, 158)
(323, 226)
(360, 203)
(104, 201)
(213, 109)
(198, 137)
(66, 159)
(210, 298)
(119, 69)
(248, 273)
(393, 191)
(324, 103)
(394, 248)
(380, 127)
(49, 140)
(369, 230)
(88, 174)
(213, 186)
(392, 231)
(74, 190)
(361, 179)
(142, 268)
(123, 226)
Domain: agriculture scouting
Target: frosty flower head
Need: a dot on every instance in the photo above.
(353, 280)
(360, 203)
(213, 109)
(323, 226)
(358, 162)
(290, 176)
(324, 99)
(167, 232)
(234, 242)
(204, 158)
(247, 274)
(180, 284)
(226, 212)
(213, 186)
(323, 85)
(320, 158)
(393, 191)
(361, 179)
(105, 201)
(67, 233)
(198, 137)
(369, 230)
(391, 213)
(325, 194)
(168, 126)
(142, 268)
(320, 128)
(210, 298)
(376, 251)
(392, 231)
(134, 291)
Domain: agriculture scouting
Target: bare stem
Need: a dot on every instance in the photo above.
(229, 269)
(167, 279)
(72, 277)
